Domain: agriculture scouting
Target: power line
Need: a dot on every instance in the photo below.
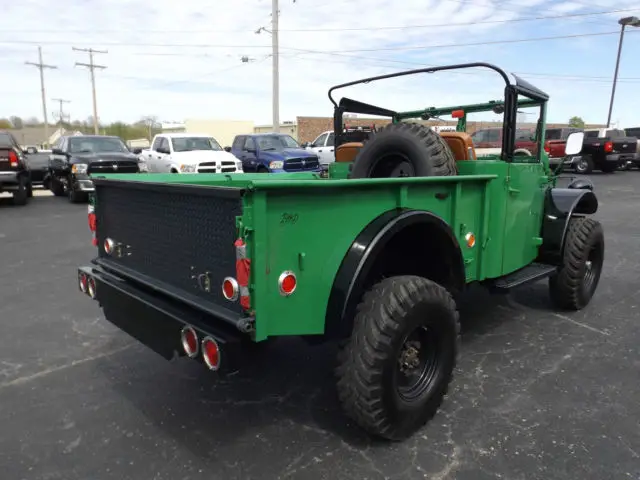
(355, 29)
(473, 44)
(61, 115)
(41, 66)
(414, 47)
(92, 66)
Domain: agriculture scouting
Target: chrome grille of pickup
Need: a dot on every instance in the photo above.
(110, 167)
(175, 233)
(300, 164)
(227, 166)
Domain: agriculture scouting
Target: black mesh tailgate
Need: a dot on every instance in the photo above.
(171, 233)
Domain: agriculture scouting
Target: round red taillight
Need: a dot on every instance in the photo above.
(287, 283)
(91, 287)
(230, 289)
(211, 353)
(82, 282)
(189, 339)
(109, 245)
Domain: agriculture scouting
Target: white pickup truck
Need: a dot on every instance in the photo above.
(189, 153)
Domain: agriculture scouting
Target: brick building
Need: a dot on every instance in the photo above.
(310, 127)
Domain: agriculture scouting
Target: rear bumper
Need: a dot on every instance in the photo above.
(9, 181)
(156, 320)
(620, 158)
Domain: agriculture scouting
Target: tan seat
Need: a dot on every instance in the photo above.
(347, 151)
(461, 144)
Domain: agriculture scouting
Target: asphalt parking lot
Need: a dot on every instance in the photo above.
(538, 394)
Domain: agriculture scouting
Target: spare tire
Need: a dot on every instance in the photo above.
(404, 150)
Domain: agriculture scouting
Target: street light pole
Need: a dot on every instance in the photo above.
(276, 68)
(633, 22)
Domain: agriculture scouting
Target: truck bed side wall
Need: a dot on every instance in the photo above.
(309, 230)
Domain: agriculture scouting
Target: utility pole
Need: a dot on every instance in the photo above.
(276, 73)
(92, 66)
(61, 101)
(41, 66)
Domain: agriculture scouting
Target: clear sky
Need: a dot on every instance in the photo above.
(180, 60)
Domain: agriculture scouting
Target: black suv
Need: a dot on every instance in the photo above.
(15, 176)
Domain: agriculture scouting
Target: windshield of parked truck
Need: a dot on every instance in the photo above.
(276, 142)
(632, 132)
(189, 144)
(84, 144)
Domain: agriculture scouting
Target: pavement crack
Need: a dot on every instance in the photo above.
(48, 371)
(580, 324)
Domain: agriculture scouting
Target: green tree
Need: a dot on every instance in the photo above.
(576, 122)
(16, 122)
(5, 124)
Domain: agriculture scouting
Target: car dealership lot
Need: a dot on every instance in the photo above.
(537, 394)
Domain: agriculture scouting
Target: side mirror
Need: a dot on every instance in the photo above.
(227, 149)
(305, 145)
(137, 150)
(57, 151)
(251, 150)
(574, 143)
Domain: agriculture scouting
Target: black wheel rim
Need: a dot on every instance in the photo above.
(417, 363)
(393, 164)
(581, 166)
(592, 268)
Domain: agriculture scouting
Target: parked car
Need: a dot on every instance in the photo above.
(605, 149)
(634, 132)
(38, 162)
(189, 153)
(15, 176)
(273, 153)
(74, 158)
(365, 259)
(323, 145)
(555, 142)
(489, 139)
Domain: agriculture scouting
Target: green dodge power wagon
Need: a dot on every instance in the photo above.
(373, 257)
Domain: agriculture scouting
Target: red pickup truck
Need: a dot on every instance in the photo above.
(492, 138)
(555, 141)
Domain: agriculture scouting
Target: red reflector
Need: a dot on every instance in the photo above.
(92, 222)
(230, 289)
(82, 282)
(287, 283)
(457, 113)
(608, 147)
(189, 339)
(211, 353)
(91, 287)
(13, 158)
(108, 246)
(547, 149)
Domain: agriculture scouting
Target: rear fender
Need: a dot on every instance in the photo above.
(560, 205)
(355, 274)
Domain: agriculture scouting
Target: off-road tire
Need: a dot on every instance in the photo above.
(584, 165)
(573, 286)
(422, 151)
(367, 371)
(21, 195)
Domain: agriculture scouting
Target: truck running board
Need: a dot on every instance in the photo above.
(528, 274)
